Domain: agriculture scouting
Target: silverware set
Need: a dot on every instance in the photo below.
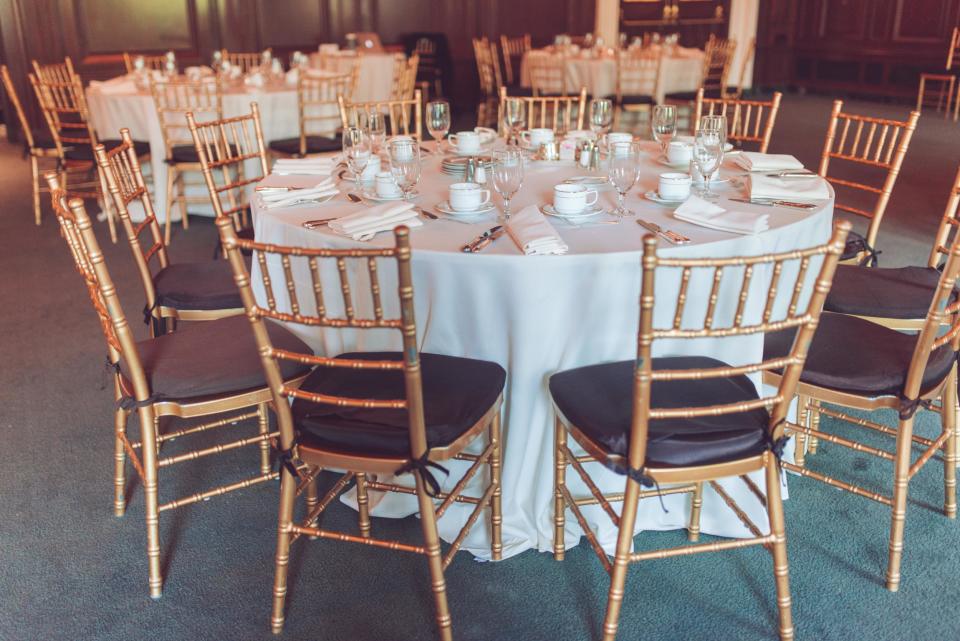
(484, 239)
(773, 202)
(666, 234)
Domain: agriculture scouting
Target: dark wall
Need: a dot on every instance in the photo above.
(94, 32)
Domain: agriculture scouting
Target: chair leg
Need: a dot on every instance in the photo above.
(288, 495)
(496, 501)
(813, 420)
(108, 207)
(119, 462)
(621, 560)
(363, 505)
(148, 449)
(781, 569)
(800, 451)
(559, 481)
(263, 425)
(35, 172)
(693, 530)
(948, 419)
(181, 189)
(171, 179)
(923, 81)
(901, 482)
(428, 521)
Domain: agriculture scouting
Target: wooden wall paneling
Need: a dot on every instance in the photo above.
(289, 26)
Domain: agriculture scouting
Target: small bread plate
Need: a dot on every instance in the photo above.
(589, 212)
(369, 194)
(445, 208)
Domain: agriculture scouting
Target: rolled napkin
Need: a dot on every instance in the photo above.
(313, 166)
(366, 224)
(533, 234)
(700, 212)
(754, 161)
(812, 188)
(285, 198)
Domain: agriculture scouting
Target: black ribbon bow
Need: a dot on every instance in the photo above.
(423, 465)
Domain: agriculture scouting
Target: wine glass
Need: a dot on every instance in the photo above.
(356, 150)
(623, 169)
(514, 118)
(405, 164)
(376, 129)
(438, 121)
(601, 116)
(507, 175)
(707, 154)
(664, 125)
(716, 124)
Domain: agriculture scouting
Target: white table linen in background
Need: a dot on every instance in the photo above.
(537, 315)
(375, 81)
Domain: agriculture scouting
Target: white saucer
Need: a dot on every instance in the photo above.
(661, 159)
(445, 208)
(655, 197)
(588, 181)
(372, 195)
(713, 181)
(589, 212)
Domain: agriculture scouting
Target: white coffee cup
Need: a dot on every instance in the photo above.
(370, 172)
(386, 186)
(674, 186)
(466, 142)
(468, 196)
(679, 152)
(573, 199)
(618, 136)
(533, 138)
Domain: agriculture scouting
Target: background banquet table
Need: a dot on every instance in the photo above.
(681, 69)
(375, 78)
(539, 315)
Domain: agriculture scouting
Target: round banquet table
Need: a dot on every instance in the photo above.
(680, 70)
(536, 315)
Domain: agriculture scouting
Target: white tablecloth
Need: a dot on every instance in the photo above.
(539, 315)
(680, 71)
(375, 81)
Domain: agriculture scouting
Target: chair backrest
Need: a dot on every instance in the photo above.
(764, 284)
(17, 106)
(56, 72)
(513, 47)
(404, 117)
(404, 77)
(227, 149)
(716, 65)
(866, 142)
(638, 73)
(745, 63)
(150, 62)
(747, 120)
(548, 74)
(488, 68)
(246, 61)
(948, 229)
(318, 109)
(953, 54)
(560, 113)
(175, 98)
(64, 109)
(312, 307)
(121, 171)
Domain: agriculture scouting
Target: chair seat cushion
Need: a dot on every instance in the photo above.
(598, 399)
(901, 292)
(690, 96)
(85, 152)
(850, 354)
(637, 100)
(212, 358)
(184, 154)
(315, 145)
(518, 91)
(457, 392)
(206, 285)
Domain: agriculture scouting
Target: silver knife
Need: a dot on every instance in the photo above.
(792, 174)
(483, 239)
(672, 236)
(774, 203)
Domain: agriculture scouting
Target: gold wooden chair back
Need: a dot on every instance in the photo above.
(548, 74)
(560, 113)
(948, 229)
(716, 65)
(488, 68)
(749, 121)
(937, 90)
(404, 117)
(745, 66)
(318, 108)
(173, 99)
(225, 147)
(953, 53)
(150, 62)
(64, 108)
(864, 141)
(246, 61)
(404, 77)
(57, 72)
(638, 74)
(513, 47)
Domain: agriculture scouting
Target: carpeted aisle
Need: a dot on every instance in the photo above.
(70, 570)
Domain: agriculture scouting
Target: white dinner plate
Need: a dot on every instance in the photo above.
(372, 195)
(655, 197)
(445, 208)
(593, 210)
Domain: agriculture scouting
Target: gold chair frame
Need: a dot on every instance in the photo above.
(399, 114)
(513, 47)
(55, 72)
(885, 152)
(945, 83)
(488, 70)
(152, 62)
(744, 65)
(404, 77)
(691, 479)
(637, 70)
(246, 61)
(307, 461)
(316, 96)
(548, 74)
(747, 120)
(135, 395)
(560, 113)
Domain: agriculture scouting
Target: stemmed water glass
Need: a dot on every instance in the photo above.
(356, 150)
(405, 164)
(376, 130)
(623, 169)
(664, 125)
(438, 121)
(601, 116)
(507, 175)
(514, 118)
(707, 155)
(716, 124)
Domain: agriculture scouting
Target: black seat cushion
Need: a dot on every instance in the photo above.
(85, 152)
(457, 392)
(315, 145)
(691, 95)
(637, 100)
(206, 285)
(212, 358)
(901, 292)
(850, 354)
(518, 91)
(598, 399)
(188, 154)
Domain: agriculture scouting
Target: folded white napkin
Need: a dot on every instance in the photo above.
(754, 161)
(309, 166)
(793, 188)
(365, 224)
(285, 198)
(700, 212)
(533, 234)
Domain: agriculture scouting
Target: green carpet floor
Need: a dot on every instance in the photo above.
(70, 570)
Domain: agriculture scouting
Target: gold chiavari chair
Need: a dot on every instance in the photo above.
(682, 421)
(173, 99)
(318, 112)
(937, 89)
(713, 80)
(488, 69)
(748, 56)
(857, 142)
(36, 147)
(430, 69)
(638, 76)
(403, 117)
(178, 291)
(151, 62)
(209, 369)
(56, 72)
(247, 62)
(857, 364)
(224, 147)
(560, 113)
(548, 74)
(514, 48)
(404, 77)
(370, 413)
(749, 121)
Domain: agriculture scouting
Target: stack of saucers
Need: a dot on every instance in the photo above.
(456, 166)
